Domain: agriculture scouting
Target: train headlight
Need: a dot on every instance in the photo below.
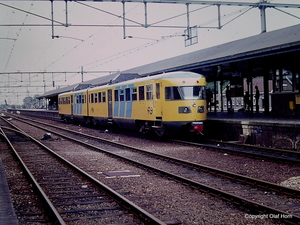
(184, 109)
(200, 109)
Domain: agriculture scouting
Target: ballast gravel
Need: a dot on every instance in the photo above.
(165, 198)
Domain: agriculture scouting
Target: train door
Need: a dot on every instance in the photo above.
(110, 107)
(72, 102)
(157, 100)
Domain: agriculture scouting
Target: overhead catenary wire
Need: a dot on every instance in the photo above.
(17, 34)
(78, 45)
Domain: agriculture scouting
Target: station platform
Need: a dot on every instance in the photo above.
(254, 128)
(7, 213)
(248, 116)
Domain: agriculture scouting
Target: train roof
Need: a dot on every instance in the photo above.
(112, 78)
(179, 74)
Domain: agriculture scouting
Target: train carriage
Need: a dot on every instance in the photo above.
(64, 104)
(75, 107)
(98, 106)
(173, 102)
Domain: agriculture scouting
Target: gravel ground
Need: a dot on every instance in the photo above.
(279, 173)
(26, 203)
(172, 200)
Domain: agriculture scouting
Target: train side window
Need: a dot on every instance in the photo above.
(157, 91)
(168, 93)
(99, 96)
(92, 98)
(103, 96)
(121, 95)
(141, 93)
(72, 99)
(134, 94)
(96, 97)
(84, 98)
(172, 93)
(149, 90)
(127, 94)
(116, 95)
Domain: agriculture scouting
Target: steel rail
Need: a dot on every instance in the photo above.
(258, 148)
(54, 212)
(249, 153)
(274, 187)
(237, 199)
(138, 211)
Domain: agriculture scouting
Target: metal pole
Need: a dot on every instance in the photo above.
(66, 13)
(266, 91)
(263, 17)
(82, 74)
(219, 16)
(146, 20)
(188, 20)
(52, 21)
(124, 24)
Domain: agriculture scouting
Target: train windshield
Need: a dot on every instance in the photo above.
(185, 93)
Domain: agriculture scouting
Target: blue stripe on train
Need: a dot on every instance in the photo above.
(77, 107)
(117, 103)
(129, 103)
(123, 108)
(122, 103)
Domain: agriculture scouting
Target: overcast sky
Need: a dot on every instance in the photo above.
(31, 48)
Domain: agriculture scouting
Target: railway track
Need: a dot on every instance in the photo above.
(260, 196)
(70, 194)
(271, 154)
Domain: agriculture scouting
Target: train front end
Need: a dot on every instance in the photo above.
(184, 105)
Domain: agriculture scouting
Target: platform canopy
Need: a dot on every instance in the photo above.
(279, 48)
(275, 48)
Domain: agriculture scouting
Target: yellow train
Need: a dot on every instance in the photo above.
(167, 103)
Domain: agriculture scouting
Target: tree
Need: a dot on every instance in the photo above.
(28, 102)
